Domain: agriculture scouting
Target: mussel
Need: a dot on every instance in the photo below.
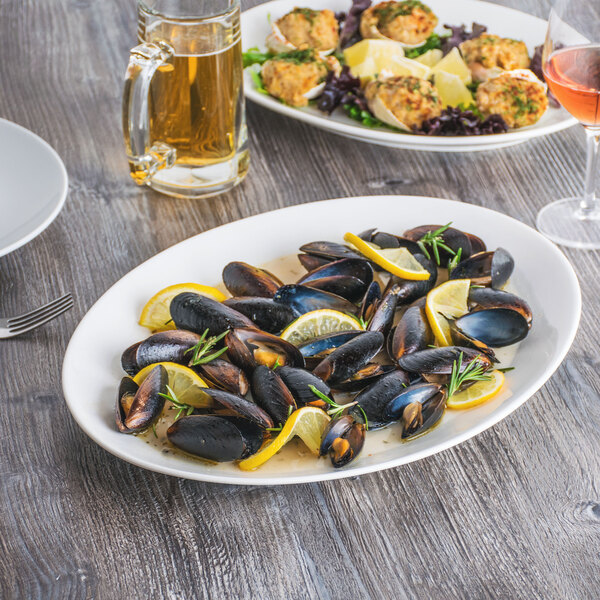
(165, 346)
(214, 438)
(242, 279)
(342, 440)
(389, 240)
(250, 347)
(226, 403)
(330, 250)
(298, 381)
(453, 238)
(303, 299)
(486, 268)
(370, 301)
(268, 315)
(139, 407)
(270, 392)
(495, 327)
(383, 316)
(318, 348)
(349, 358)
(483, 298)
(224, 375)
(311, 262)
(198, 313)
(409, 291)
(412, 333)
(363, 377)
(419, 407)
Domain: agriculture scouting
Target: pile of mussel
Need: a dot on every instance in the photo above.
(387, 370)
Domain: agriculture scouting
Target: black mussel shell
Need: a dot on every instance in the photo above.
(250, 347)
(383, 317)
(486, 268)
(370, 301)
(477, 244)
(147, 403)
(453, 238)
(419, 393)
(198, 313)
(348, 267)
(495, 327)
(224, 375)
(127, 391)
(374, 399)
(310, 262)
(208, 437)
(461, 339)
(330, 250)
(349, 358)
(164, 346)
(421, 409)
(503, 264)
(409, 291)
(346, 447)
(484, 298)
(367, 233)
(242, 279)
(412, 334)
(350, 288)
(316, 349)
(389, 240)
(238, 406)
(268, 315)
(252, 434)
(336, 428)
(303, 299)
(298, 381)
(363, 378)
(269, 392)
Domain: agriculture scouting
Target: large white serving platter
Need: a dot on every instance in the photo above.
(500, 20)
(91, 369)
(33, 186)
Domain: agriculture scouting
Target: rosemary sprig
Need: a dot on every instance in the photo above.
(290, 410)
(474, 371)
(204, 346)
(337, 409)
(276, 364)
(181, 406)
(435, 240)
(454, 261)
(505, 369)
(364, 324)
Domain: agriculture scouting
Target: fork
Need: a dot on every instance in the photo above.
(26, 322)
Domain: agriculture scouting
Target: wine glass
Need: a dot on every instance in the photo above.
(571, 64)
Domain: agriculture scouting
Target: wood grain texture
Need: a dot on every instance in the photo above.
(513, 513)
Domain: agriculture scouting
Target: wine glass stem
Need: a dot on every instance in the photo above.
(589, 201)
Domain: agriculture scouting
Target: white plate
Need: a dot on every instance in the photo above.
(33, 186)
(500, 20)
(91, 369)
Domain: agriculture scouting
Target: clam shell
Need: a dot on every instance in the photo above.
(277, 42)
(383, 113)
(375, 34)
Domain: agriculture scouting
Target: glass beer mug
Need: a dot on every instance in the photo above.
(183, 105)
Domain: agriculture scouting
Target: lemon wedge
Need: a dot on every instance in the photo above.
(156, 315)
(430, 58)
(478, 393)
(398, 261)
(308, 423)
(185, 383)
(318, 322)
(446, 300)
(379, 50)
(452, 90)
(453, 64)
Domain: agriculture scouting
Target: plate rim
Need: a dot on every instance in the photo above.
(486, 423)
(62, 194)
(405, 140)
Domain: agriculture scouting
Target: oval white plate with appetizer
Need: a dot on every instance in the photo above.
(502, 21)
(92, 369)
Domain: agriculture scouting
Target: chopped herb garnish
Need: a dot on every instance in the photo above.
(433, 42)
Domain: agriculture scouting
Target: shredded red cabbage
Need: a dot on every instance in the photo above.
(460, 34)
(455, 121)
(350, 34)
(338, 90)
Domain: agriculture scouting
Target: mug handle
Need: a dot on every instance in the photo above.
(144, 160)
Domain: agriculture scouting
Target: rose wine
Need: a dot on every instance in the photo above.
(573, 75)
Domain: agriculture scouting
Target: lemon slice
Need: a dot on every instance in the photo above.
(431, 57)
(452, 90)
(308, 423)
(453, 64)
(378, 50)
(446, 300)
(156, 316)
(185, 383)
(398, 261)
(478, 393)
(318, 322)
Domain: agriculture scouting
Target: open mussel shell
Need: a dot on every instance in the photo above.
(484, 298)
(303, 299)
(213, 438)
(198, 313)
(298, 381)
(270, 393)
(349, 358)
(342, 440)
(437, 363)
(409, 291)
(495, 327)
(477, 244)
(462, 339)
(242, 279)
(330, 250)
(250, 347)
(453, 238)
(316, 349)
(224, 375)
(370, 301)
(364, 377)
(486, 268)
(139, 407)
(311, 262)
(419, 407)
(268, 315)
(412, 333)
(374, 399)
(389, 240)
(234, 405)
(383, 316)
(348, 277)
(165, 346)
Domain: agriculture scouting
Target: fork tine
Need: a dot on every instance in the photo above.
(41, 320)
(39, 315)
(21, 319)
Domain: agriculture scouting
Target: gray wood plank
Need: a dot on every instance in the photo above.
(513, 513)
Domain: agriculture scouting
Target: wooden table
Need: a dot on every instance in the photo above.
(513, 513)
